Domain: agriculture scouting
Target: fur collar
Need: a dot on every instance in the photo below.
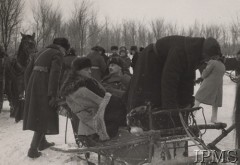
(73, 82)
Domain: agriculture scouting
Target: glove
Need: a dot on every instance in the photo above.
(199, 80)
(53, 102)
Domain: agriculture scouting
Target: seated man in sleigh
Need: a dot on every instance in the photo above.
(100, 114)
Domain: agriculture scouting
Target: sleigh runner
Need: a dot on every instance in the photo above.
(140, 148)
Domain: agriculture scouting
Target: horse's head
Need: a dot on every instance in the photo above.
(27, 47)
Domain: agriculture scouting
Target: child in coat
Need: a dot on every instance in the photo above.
(210, 91)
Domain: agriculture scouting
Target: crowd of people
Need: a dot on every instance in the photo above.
(100, 89)
(94, 87)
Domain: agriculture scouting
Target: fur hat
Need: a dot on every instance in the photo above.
(72, 52)
(101, 49)
(116, 60)
(123, 48)
(123, 51)
(114, 47)
(95, 48)
(211, 48)
(62, 42)
(141, 49)
(133, 48)
(80, 63)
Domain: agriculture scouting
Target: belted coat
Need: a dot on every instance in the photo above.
(41, 85)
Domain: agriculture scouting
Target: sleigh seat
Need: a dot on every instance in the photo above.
(135, 148)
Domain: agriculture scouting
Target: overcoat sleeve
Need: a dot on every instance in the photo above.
(54, 75)
(207, 71)
(28, 71)
(173, 69)
(103, 65)
(116, 92)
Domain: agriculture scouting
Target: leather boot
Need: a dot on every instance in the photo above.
(44, 144)
(33, 150)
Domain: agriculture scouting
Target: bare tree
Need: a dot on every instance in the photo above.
(235, 34)
(171, 29)
(79, 25)
(94, 30)
(212, 31)
(47, 22)
(10, 17)
(116, 35)
(225, 41)
(158, 28)
(125, 33)
(132, 32)
(105, 35)
(150, 38)
(142, 35)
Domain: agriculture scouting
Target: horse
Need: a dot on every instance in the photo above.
(14, 73)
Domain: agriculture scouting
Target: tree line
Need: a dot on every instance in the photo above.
(85, 30)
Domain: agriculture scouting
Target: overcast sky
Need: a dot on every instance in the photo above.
(183, 12)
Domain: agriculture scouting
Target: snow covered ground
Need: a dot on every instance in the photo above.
(14, 142)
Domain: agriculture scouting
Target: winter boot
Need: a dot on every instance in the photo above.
(44, 144)
(33, 151)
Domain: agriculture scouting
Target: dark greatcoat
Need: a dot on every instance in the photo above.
(165, 75)
(99, 66)
(39, 116)
(126, 64)
(115, 84)
(134, 60)
(66, 67)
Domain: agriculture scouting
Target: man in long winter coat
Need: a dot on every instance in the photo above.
(165, 74)
(42, 84)
(98, 64)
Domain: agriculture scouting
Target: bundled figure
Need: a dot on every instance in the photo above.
(211, 89)
(114, 51)
(116, 82)
(126, 61)
(100, 114)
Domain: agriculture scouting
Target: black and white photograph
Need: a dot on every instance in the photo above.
(119, 82)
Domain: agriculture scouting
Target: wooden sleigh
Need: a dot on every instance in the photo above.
(129, 148)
